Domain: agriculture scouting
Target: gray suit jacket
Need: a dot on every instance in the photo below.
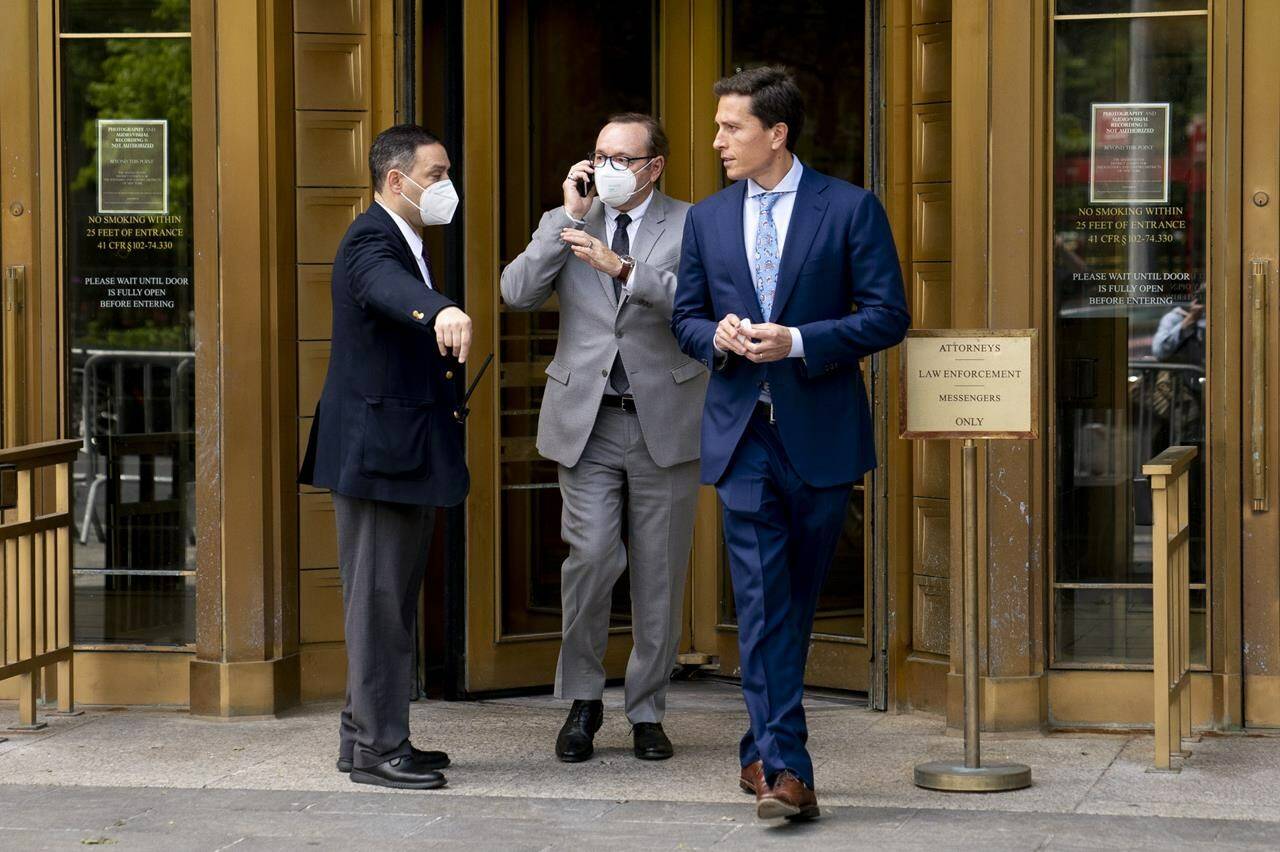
(668, 385)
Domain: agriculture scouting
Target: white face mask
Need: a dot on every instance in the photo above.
(437, 203)
(616, 185)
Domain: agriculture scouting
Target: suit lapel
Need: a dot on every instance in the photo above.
(383, 218)
(734, 247)
(595, 227)
(806, 216)
(651, 227)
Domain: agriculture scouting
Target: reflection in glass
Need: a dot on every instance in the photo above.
(126, 16)
(134, 610)
(824, 49)
(608, 70)
(1107, 7)
(1130, 99)
(1106, 625)
(130, 323)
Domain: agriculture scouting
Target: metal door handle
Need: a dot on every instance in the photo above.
(13, 357)
(1259, 269)
(15, 285)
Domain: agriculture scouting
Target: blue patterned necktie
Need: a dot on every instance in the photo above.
(766, 255)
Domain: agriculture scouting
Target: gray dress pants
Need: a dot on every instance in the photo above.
(616, 474)
(382, 548)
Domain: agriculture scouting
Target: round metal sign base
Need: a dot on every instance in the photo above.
(958, 778)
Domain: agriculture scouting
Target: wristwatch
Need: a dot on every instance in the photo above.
(628, 264)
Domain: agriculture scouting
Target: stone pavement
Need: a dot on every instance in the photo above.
(159, 779)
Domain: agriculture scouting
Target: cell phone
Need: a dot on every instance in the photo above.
(585, 185)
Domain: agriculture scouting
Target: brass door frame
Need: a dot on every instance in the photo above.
(494, 661)
(1259, 221)
(28, 235)
(689, 56)
(1217, 701)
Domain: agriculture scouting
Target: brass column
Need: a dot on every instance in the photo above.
(247, 661)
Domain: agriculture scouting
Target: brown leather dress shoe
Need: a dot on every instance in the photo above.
(788, 798)
(752, 778)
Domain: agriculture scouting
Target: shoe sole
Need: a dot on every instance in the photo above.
(749, 789)
(640, 755)
(775, 809)
(359, 777)
(346, 770)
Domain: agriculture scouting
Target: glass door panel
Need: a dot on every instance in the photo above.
(553, 103)
(130, 311)
(1131, 323)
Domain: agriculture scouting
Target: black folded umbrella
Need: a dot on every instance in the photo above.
(460, 413)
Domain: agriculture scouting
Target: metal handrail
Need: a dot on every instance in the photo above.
(1171, 601)
(35, 577)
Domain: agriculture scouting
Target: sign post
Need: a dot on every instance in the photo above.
(969, 385)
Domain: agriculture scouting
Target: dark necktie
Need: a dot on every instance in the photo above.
(621, 247)
(426, 261)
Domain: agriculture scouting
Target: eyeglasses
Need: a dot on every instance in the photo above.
(598, 160)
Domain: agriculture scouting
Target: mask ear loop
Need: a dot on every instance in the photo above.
(639, 189)
(421, 190)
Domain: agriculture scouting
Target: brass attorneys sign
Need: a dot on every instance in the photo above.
(970, 384)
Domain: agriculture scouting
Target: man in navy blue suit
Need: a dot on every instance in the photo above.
(386, 442)
(787, 279)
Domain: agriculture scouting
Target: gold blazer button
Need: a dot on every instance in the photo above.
(418, 315)
(448, 374)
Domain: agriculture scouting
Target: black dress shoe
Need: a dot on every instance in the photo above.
(429, 759)
(405, 773)
(651, 741)
(576, 741)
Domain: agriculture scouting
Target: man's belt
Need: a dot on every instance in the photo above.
(626, 402)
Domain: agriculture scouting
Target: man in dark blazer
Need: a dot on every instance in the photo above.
(386, 442)
(787, 279)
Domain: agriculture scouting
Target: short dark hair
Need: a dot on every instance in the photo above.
(658, 144)
(775, 97)
(396, 148)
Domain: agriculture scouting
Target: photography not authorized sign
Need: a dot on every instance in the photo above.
(1129, 154)
(133, 166)
(970, 384)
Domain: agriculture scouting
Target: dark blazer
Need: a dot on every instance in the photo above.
(384, 427)
(838, 253)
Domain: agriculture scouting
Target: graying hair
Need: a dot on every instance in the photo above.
(396, 148)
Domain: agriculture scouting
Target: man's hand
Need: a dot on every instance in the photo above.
(574, 204)
(453, 333)
(728, 337)
(1194, 313)
(766, 341)
(593, 251)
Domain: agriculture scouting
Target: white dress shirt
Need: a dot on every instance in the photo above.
(611, 227)
(414, 239)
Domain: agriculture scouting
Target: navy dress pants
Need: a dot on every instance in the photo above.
(781, 535)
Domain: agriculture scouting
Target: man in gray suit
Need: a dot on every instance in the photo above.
(621, 416)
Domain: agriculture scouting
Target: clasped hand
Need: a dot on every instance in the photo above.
(593, 251)
(759, 342)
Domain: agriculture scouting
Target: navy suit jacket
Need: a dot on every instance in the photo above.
(839, 283)
(384, 427)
